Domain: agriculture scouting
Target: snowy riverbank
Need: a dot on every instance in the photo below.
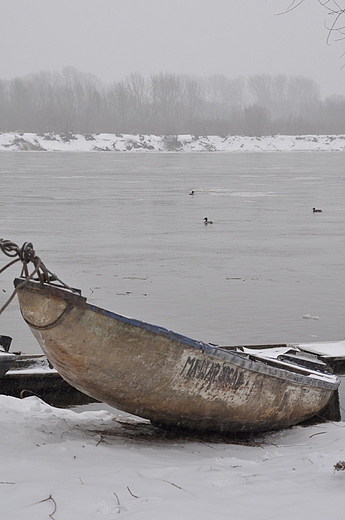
(96, 464)
(69, 142)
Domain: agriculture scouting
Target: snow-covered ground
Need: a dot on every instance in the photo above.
(70, 465)
(182, 143)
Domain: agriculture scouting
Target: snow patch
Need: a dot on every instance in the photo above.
(131, 143)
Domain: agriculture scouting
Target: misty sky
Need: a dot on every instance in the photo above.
(112, 38)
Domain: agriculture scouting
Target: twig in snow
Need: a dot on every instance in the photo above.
(46, 500)
(118, 503)
(102, 439)
(130, 492)
(168, 482)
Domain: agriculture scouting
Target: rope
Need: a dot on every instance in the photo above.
(24, 282)
(26, 254)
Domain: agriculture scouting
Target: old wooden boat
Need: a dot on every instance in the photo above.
(171, 379)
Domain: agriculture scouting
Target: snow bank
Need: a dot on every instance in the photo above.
(182, 143)
(58, 463)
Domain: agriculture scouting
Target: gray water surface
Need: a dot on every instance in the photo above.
(124, 229)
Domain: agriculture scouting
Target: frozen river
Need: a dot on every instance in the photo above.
(124, 229)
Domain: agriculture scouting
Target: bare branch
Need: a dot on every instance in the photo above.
(130, 492)
(334, 9)
(46, 500)
(294, 4)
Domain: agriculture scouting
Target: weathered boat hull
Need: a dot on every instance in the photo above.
(170, 379)
(6, 357)
(6, 360)
(33, 376)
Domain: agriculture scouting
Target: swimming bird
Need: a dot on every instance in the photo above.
(192, 192)
(317, 210)
(206, 221)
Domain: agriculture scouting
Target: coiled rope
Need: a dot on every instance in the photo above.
(26, 254)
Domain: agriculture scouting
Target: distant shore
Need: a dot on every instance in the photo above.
(68, 142)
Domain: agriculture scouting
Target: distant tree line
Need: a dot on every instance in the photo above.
(168, 104)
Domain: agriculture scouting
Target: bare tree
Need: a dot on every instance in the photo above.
(117, 100)
(304, 96)
(256, 120)
(137, 90)
(4, 105)
(193, 101)
(224, 94)
(166, 95)
(260, 87)
(332, 120)
(21, 99)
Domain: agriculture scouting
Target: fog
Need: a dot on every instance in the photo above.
(112, 38)
(168, 104)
